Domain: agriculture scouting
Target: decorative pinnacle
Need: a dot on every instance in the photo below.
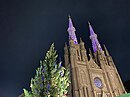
(81, 39)
(71, 30)
(106, 51)
(65, 44)
(93, 37)
(66, 49)
(90, 53)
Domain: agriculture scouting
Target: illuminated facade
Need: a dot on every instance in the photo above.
(93, 76)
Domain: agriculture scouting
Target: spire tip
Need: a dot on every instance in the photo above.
(88, 22)
(69, 16)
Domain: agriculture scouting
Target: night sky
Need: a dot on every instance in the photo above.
(28, 27)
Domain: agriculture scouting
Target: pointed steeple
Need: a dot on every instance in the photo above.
(91, 29)
(71, 30)
(93, 37)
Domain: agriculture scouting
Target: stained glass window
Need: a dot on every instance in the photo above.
(98, 82)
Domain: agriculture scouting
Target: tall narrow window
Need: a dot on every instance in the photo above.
(78, 55)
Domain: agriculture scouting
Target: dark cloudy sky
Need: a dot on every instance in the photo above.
(28, 27)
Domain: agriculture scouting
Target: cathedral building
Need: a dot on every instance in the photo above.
(94, 75)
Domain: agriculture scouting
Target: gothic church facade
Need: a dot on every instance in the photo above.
(94, 75)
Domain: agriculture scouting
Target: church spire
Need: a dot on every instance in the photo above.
(93, 37)
(71, 30)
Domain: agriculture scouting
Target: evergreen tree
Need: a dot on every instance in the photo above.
(51, 79)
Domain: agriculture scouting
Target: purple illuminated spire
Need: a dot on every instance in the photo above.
(93, 37)
(71, 30)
